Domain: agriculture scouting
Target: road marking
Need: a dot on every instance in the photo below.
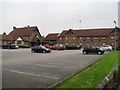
(55, 66)
(31, 74)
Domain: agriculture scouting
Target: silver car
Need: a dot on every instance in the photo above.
(106, 48)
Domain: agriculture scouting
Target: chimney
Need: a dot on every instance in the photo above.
(4, 33)
(14, 27)
(28, 26)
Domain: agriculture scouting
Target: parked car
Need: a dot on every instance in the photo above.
(92, 49)
(62, 46)
(55, 48)
(106, 48)
(47, 46)
(40, 49)
(118, 48)
(10, 46)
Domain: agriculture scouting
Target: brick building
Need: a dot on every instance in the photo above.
(83, 37)
(22, 36)
(51, 38)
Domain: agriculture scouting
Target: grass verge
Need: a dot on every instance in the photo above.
(93, 75)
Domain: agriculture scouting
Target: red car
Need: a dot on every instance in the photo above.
(55, 48)
(47, 46)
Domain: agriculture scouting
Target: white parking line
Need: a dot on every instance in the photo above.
(31, 74)
(55, 66)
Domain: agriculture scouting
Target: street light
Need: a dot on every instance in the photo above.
(115, 33)
(80, 23)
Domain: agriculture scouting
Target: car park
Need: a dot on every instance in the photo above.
(106, 48)
(10, 46)
(92, 49)
(40, 49)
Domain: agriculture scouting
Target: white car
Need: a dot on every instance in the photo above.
(106, 48)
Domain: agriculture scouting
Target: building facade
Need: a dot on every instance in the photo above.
(51, 38)
(22, 36)
(98, 37)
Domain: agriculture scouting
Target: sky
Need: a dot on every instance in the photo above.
(54, 16)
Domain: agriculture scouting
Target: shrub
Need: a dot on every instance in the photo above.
(24, 46)
(72, 48)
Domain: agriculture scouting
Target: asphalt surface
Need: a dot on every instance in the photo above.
(23, 69)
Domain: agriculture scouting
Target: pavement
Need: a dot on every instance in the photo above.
(23, 69)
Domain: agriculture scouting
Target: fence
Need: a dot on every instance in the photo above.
(112, 80)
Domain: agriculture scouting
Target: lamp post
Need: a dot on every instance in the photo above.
(115, 33)
(80, 23)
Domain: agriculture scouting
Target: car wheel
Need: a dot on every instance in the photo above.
(84, 52)
(108, 50)
(99, 52)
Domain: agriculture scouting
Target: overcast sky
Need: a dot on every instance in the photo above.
(55, 16)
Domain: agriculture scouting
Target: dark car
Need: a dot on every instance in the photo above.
(40, 49)
(10, 46)
(118, 48)
(92, 49)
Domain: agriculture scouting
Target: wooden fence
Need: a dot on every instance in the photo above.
(112, 80)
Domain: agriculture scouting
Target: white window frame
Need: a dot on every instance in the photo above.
(66, 38)
(73, 44)
(87, 43)
(80, 43)
(88, 38)
(111, 37)
(103, 38)
(66, 44)
(95, 38)
(96, 44)
(73, 38)
(103, 43)
(60, 38)
(80, 38)
(112, 44)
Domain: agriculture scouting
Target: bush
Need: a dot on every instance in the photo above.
(72, 48)
(24, 46)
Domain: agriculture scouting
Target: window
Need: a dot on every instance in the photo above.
(104, 38)
(80, 43)
(87, 44)
(66, 43)
(73, 38)
(112, 43)
(73, 44)
(19, 42)
(95, 38)
(88, 37)
(112, 37)
(66, 38)
(95, 44)
(103, 43)
(80, 38)
(60, 38)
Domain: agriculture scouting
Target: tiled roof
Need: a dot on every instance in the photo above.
(51, 36)
(7, 37)
(26, 31)
(89, 32)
